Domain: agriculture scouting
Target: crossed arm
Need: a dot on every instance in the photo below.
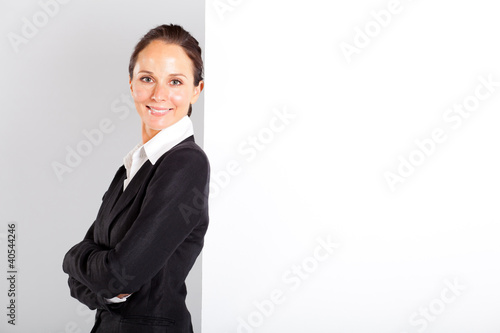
(97, 273)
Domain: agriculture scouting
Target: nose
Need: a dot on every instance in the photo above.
(160, 93)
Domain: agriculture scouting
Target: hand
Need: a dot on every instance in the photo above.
(122, 295)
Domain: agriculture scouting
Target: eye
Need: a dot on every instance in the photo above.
(176, 82)
(146, 79)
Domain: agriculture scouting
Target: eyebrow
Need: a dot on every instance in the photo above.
(178, 74)
(173, 74)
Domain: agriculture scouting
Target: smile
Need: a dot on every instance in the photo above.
(158, 112)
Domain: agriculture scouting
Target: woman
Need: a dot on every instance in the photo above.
(132, 264)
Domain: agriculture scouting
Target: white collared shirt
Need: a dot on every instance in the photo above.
(152, 150)
(158, 145)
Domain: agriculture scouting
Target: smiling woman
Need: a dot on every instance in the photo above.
(132, 264)
(162, 84)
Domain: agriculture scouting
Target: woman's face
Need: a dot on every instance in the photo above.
(162, 86)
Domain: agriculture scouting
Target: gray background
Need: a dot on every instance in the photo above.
(67, 78)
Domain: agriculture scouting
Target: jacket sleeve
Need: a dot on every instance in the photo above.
(86, 296)
(174, 203)
(81, 292)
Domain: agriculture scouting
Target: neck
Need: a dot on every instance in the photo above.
(148, 133)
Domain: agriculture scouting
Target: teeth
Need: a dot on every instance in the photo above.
(160, 111)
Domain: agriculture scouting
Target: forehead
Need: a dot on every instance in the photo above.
(160, 57)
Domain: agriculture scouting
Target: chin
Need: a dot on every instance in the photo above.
(159, 125)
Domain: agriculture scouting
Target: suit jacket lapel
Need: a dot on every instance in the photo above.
(118, 200)
(114, 191)
(123, 199)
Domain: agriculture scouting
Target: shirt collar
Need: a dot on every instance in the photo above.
(127, 160)
(167, 138)
(162, 142)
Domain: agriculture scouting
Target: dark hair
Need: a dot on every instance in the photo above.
(172, 34)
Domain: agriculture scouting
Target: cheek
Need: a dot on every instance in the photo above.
(179, 97)
(140, 94)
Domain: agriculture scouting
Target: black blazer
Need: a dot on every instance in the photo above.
(144, 241)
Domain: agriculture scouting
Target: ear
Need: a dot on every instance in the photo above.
(130, 84)
(197, 91)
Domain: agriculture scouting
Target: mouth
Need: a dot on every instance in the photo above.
(157, 111)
